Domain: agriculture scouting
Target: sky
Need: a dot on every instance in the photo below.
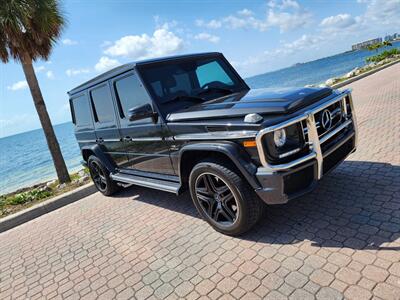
(255, 36)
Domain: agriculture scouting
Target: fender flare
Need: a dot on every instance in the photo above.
(101, 154)
(229, 149)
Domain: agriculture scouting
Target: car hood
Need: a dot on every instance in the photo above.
(261, 101)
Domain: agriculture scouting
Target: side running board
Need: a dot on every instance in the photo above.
(167, 186)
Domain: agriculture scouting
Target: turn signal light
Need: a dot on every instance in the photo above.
(249, 144)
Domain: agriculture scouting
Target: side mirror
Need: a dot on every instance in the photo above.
(141, 112)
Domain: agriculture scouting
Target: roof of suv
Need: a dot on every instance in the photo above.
(129, 66)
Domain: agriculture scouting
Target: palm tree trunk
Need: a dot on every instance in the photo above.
(52, 143)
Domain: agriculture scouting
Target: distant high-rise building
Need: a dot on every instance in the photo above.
(392, 37)
(365, 44)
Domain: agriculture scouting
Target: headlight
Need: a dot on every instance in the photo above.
(280, 137)
(284, 144)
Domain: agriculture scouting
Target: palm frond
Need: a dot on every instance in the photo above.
(29, 28)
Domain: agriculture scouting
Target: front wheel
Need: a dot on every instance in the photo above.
(101, 177)
(223, 198)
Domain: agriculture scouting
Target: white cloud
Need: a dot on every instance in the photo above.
(69, 42)
(207, 37)
(50, 74)
(304, 42)
(338, 21)
(284, 4)
(272, 59)
(245, 12)
(74, 72)
(383, 12)
(288, 21)
(105, 44)
(105, 63)
(213, 24)
(286, 15)
(379, 18)
(20, 85)
(234, 22)
(290, 4)
(162, 42)
(39, 69)
(242, 19)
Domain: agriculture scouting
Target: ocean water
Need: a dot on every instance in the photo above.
(314, 72)
(25, 158)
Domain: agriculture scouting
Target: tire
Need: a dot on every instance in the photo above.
(101, 177)
(217, 209)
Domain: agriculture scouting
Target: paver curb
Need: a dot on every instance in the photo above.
(361, 76)
(46, 207)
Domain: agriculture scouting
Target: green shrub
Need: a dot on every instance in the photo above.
(2, 202)
(74, 176)
(18, 199)
(385, 54)
(27, 197)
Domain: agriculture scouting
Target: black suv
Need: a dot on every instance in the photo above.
(191, 122)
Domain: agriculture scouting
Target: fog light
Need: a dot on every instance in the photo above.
(280, 137)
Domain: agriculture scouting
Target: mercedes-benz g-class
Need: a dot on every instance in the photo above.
(192, 123)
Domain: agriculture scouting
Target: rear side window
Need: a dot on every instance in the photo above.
(130, 93)
(103, 106)
(81, 111)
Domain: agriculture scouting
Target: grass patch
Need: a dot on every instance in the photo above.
(381, 56)
(28, 197)
(19, 200)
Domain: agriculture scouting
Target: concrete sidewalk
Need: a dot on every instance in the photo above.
(341, 241)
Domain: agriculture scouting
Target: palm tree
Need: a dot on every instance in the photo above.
(28, 31)
(387, 43)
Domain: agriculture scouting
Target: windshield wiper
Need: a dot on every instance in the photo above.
(217, 89)
(185, 97)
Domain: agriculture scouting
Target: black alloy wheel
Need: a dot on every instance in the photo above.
(98, 176)
(101, 177)
(224, 198)
(216, 199)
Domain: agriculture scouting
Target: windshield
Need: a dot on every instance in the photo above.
(178, 84)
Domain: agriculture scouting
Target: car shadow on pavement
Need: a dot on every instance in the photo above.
(356, 206)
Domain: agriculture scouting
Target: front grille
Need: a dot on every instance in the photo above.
(328, 118)
(336, 113)
(336, 138)
(337, 156)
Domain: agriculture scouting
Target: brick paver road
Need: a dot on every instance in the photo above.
(341, 241)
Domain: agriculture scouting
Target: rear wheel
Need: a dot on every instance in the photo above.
(223, 198)
(101, 177)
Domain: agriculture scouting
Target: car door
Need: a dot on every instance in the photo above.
(144, 139)
(106, 123)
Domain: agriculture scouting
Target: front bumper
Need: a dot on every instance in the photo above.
(281, 183)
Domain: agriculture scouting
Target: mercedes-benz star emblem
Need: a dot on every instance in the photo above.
(326, 119)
